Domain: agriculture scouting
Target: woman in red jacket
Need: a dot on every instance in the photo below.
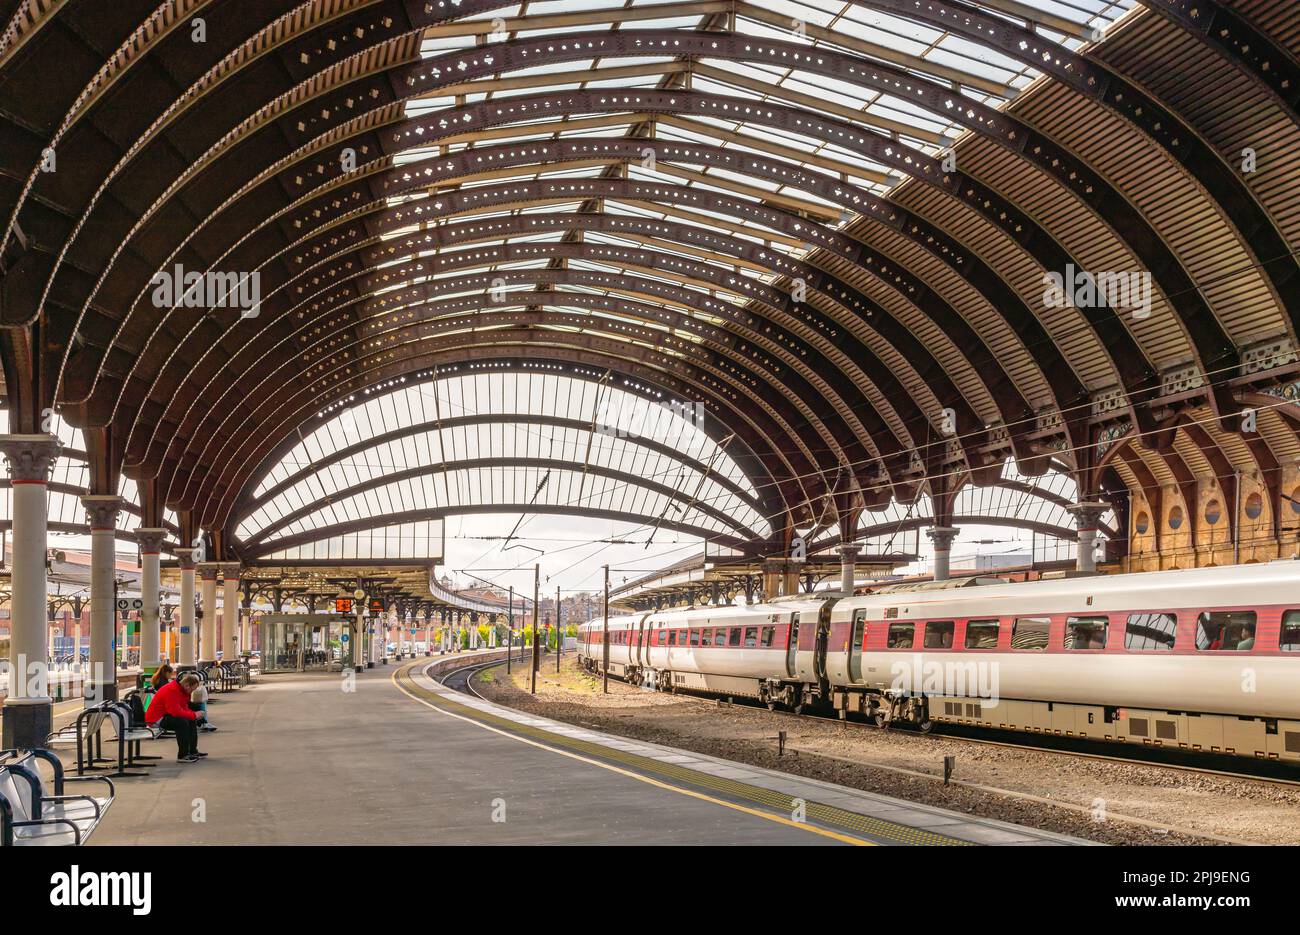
(170, 708)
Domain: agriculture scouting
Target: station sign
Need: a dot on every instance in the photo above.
(376, 605)
(126, 603)
(342, 605)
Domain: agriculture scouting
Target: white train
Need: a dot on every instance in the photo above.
(1203, 659)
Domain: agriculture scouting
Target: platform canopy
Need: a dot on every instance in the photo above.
(871, 250)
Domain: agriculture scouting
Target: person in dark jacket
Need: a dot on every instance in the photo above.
(170, 708)
(162, 676)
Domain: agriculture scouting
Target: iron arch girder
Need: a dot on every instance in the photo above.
(674, 266)
(1011, 404)
(1136, 372)
(245, 507)
(795, 345)
(1066, 533)
(754, 458)
(968, 422)
(1213, 348)
(102, 86)
(1180, 141)
(82, 256)
(774, 408)
(392, 182)
(893, 274)
(473, 464)
(281, 325)
(555, 275)
(795, 388)
(1238, 40)
(415, 516)
(763, 459)
(905, 161)
(467, 306)
(1002, 298)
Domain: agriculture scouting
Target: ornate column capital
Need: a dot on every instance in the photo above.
(102, 510)
(208, 570)
(151, 540)
(185, 555)
(31, 457)
(1087, 516)
(942, 536)
(230, 570)
(849, 551)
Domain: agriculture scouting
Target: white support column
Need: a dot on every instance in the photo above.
(848, 567)
(151, 542)
(185, 654)
(208, 622)
(942, 537)
(102, 512)
(27, 707)
(230, 644)
(1087, 517)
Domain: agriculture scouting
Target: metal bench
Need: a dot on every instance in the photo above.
(30, 815)
(86, 734)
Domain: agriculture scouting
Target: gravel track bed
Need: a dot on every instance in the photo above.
(1086, 795)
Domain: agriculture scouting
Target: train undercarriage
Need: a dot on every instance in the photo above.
(884, 709)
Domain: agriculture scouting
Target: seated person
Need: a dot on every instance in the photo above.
(199, 705)
(161, 677)
(170, 709)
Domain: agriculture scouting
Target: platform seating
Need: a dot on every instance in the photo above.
(31, 815)
(86, 735)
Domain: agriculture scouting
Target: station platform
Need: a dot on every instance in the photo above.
(401, 759)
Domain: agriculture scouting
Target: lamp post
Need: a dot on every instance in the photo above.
(537, 586)
(510, 629)
(604, 639)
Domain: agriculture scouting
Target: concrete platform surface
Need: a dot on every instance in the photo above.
(300, 759)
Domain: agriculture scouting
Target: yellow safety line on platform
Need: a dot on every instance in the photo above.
(815, 810)
(844, 838)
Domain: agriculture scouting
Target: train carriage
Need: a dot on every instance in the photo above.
(1201, 659)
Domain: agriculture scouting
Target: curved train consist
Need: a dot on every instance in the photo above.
(1203, 659)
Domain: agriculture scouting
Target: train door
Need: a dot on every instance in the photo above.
(793, 646)
(855, 645)
(643, 644)
(819, 656)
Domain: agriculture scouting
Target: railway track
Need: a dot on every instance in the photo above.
(1277, 774)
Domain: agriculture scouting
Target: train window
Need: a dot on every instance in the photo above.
(982, 634)
(938, 634)
(734, 638)
(751, 637)
(1289, 642)
(1151, 632)
(706, 637)
(720, 636)
(1030, 633)
(1086, 632)
(695, 637)
(1228, 631)
(901, 635)
(769, 637)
